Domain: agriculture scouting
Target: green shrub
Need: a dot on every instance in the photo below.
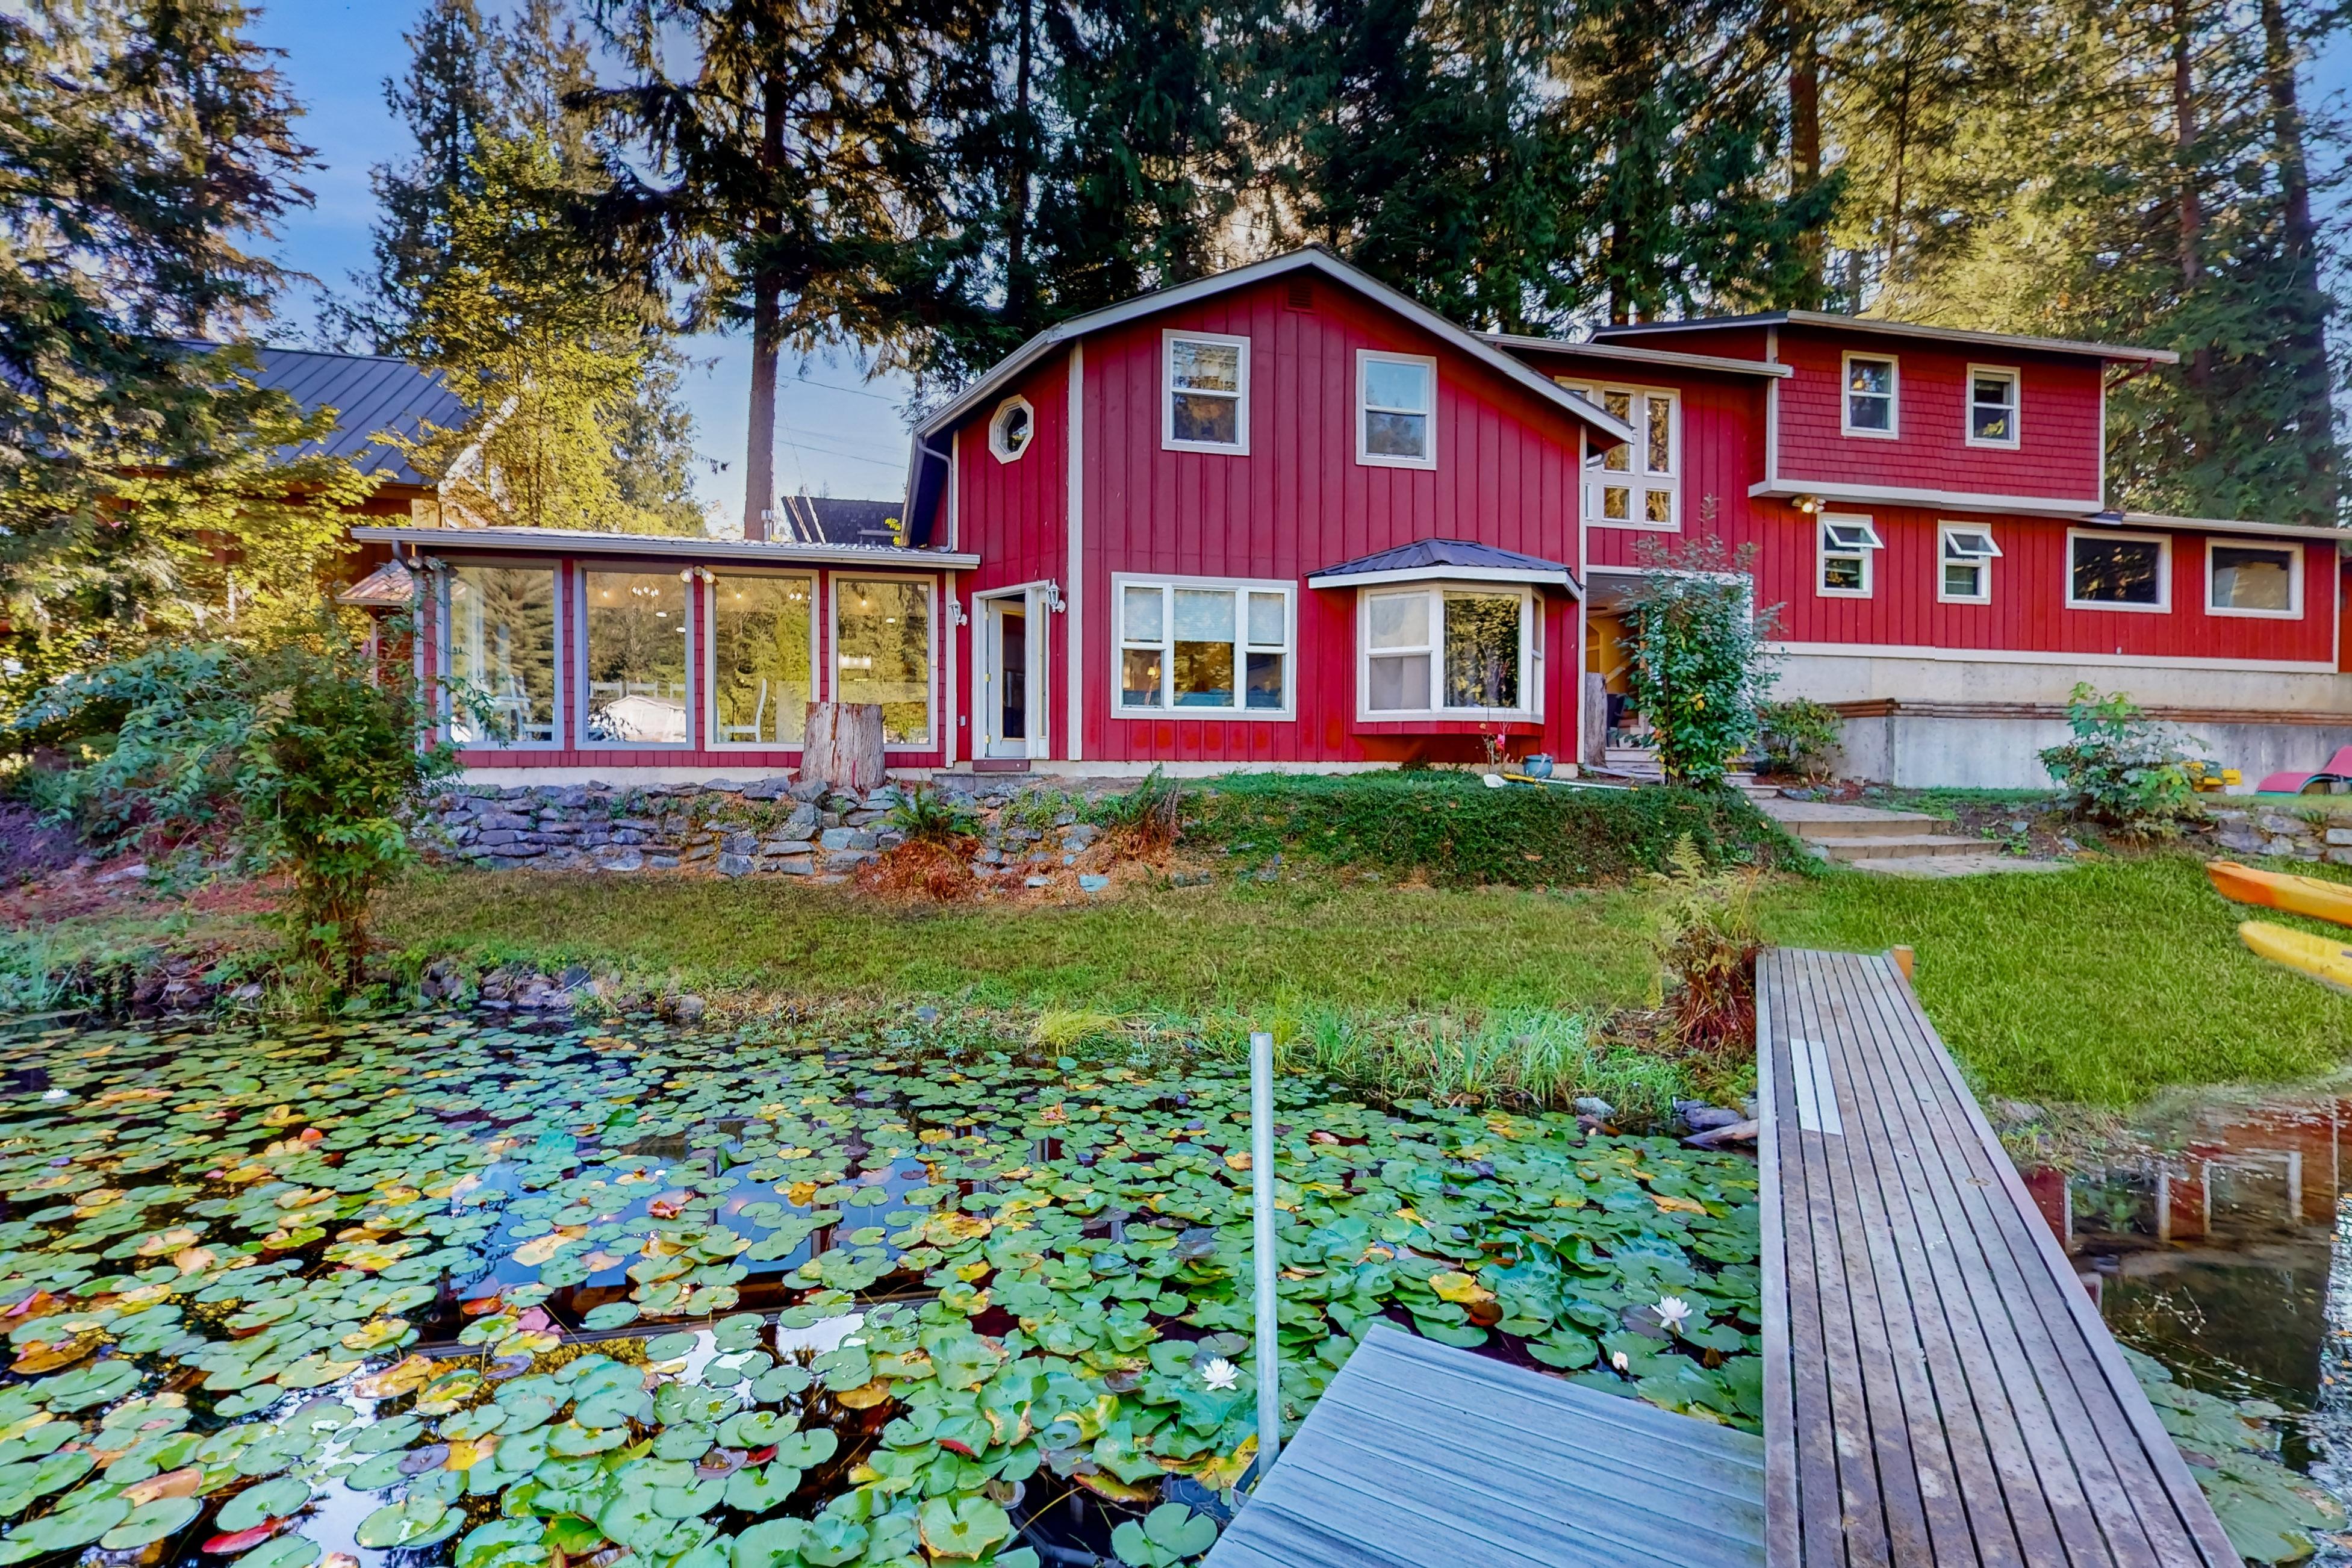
(928, 817)
(1800, 736)
(2122, 769)
(1449, 827)
(1698, 666)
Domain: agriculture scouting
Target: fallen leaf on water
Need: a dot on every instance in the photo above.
(1678, 1205)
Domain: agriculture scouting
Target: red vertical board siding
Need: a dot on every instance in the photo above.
(1298, 501)
(2058, 451)
(1016, 516)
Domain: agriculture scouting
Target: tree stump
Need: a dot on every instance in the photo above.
(1593, 739)
(845, 745)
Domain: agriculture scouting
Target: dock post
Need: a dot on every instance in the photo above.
(1269, 1362)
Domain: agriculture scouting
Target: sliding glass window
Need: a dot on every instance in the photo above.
(761, 658)
(636, 635)
(882, 652)
(500, 632)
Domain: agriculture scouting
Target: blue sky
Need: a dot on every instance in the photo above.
(838, 434)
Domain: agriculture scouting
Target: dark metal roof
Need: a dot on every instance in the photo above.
(828, 519)
(1432, 554)
(370, 394)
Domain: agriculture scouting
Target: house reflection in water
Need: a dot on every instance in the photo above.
(2216, 1256)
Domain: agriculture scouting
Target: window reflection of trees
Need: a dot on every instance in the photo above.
(501, 647)
(760, 644)
(636, 658)
(1482, 651)
(883, 627)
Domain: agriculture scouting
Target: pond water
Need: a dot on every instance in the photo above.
(399, 1293)
(2217, 1238)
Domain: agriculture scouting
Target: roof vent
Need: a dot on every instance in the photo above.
(1301, 295)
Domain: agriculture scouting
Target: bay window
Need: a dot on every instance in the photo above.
(635, 627)
(1450, 650)
(882, 643)
(1203, 645)
(762, 658)
(498, 636)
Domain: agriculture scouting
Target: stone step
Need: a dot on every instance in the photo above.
(1882, 847)
(1819, 819)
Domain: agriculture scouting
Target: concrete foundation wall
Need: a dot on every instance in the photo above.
(2259, 721)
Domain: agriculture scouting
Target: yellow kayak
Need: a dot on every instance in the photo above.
(2279, 890)
(2326, 959)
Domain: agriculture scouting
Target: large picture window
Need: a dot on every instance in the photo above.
(2253, 580)
(1207, 392)
(763, 660)
(499, 631)
(1204, 647)
(636, 654)
(882, 652)
(1634, 485)
(2119, 571)
(1465, 651)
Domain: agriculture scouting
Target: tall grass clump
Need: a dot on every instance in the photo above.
(1147, 819)
(1450, 827)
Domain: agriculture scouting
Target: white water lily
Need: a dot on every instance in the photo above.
(1617, 1359)
(1673, 1312)
(54, 1094)
(1221, 1374)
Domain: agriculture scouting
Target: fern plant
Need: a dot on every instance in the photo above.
(1707, 943)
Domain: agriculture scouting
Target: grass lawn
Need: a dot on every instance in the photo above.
(2101, 984)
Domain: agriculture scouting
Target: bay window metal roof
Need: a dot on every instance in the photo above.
(1457, 560)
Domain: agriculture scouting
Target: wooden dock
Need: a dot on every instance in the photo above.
(1939, 1386)
(1420, 1456)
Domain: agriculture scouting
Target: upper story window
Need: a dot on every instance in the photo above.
(1207, 396)
(1965, 553)
(1992, 407)
(2254, 579)
(2108, 571)
(1396, 410)
(1010, 427)
(1870, 393)
(1199, 643)
(1847, 545)
(1636, 485)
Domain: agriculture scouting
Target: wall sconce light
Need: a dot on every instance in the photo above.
(1808, 505)
(956, 617)
(1053, 597)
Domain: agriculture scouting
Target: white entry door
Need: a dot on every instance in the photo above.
(1009, 667)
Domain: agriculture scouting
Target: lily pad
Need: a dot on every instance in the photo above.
(150, 1522)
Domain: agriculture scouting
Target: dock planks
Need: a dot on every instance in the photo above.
(1939, 1388)
(1419, 1456)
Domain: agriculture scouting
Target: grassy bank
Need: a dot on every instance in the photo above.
(2101, 984)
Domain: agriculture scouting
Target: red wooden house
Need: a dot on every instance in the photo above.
(1286, 518)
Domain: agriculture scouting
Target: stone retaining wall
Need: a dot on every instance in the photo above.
(770, 826)
(2283, 835)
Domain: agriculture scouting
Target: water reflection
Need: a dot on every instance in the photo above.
(2219, 1245)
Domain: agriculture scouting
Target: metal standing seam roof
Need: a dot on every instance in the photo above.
(370, 394)
(1425, 558)
(2124, 351)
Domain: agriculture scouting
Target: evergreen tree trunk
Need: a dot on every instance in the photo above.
(2189, 212)
(1805, 140)
(1019, 286)
(2307, 332)
(767, 314)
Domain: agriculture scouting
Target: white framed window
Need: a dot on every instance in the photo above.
(1869, 400)
(1205, 400)
(1204, 647)
(2111, 571)
(1637, 484)
(2258, 580)
(636, 649)
(1846, 547)
(500, 683)
(1396, 410)
(1993, 399)
(882, 653)
(1448, 650)
(1965, 553)
(761, 668)
(1010, 429)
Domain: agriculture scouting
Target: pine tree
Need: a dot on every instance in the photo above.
(147, 147)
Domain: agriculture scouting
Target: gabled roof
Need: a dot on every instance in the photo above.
(1893, 329)
(391, 586)
(370, 394)
(1312, 258)
(1427, 560)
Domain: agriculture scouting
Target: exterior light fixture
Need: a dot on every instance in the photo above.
(1808, 505)
(2111, 517)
